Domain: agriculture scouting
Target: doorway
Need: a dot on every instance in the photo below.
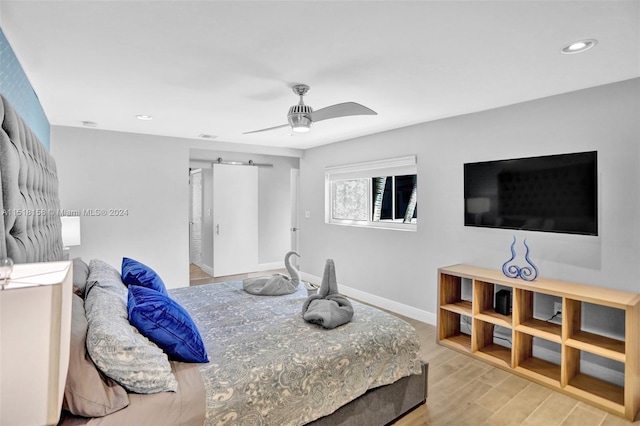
(195, 217)
(197, 275)
(218, 192)
(223, 221)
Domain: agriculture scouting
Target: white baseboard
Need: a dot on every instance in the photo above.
(381, 302)
(260, 267)
(205, 268)
(269, 266)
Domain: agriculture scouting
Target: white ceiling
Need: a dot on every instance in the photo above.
(226, 67)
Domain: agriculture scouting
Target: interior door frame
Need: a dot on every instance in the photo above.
(295, 228)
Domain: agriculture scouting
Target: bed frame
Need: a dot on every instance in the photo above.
(31, 232)
(383, 405)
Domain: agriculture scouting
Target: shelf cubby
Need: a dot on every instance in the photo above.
(527, 363)
(451, 331)
(586, 386)
(485, 345)
(577, 337)
(484, 296)
(573, 353)
(451, 294)
(528, 323)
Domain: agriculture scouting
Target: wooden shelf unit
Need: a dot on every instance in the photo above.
(468, 326)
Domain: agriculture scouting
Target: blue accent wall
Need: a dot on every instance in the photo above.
(16, 88)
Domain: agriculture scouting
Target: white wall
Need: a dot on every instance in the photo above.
(401, 267)
(148, 176)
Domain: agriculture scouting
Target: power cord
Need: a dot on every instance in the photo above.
(553, 316)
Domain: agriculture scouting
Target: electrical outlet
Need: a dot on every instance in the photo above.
(557, 307)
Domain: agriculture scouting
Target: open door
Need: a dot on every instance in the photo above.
(195, 217)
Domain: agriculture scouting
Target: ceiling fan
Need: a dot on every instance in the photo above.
(301, 116)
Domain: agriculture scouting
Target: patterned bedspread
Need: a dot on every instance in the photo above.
(270, 367)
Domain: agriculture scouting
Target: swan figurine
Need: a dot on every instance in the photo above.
(276, 284)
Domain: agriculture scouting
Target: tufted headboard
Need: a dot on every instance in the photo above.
(28, 194)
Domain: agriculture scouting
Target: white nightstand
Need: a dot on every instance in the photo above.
(35, 323)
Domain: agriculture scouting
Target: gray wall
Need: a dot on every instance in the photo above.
(148, 176)
(399, 268)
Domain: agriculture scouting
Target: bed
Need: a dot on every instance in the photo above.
(266, 365)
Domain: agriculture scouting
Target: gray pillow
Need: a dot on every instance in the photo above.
(105, 276)
(88, 392)
(116, 347)
(80, 275)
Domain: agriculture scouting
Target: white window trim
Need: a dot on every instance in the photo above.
(390, 167)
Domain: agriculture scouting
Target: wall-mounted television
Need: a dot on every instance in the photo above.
(554, 193)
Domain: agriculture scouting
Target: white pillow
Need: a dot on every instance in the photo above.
(116, 347)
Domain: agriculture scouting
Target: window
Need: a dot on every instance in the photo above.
(378, 194)
(394, 198)
(350, 201)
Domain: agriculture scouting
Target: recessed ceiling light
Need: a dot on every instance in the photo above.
(206, 136)
(144, 117)
(579, 46)
(89, 124)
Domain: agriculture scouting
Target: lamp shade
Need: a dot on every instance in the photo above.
(300, 123)
(70, 230)
(35, 324)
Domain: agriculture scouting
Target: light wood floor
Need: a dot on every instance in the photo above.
(467, 392)
(198, 277)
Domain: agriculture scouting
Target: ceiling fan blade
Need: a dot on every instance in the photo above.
(268, 128)
(341, 110)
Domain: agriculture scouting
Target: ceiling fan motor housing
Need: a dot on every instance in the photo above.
(300, 117)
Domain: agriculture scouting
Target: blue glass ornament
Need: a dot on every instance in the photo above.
(527, 273)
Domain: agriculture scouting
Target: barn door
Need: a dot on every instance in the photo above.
(235, 219)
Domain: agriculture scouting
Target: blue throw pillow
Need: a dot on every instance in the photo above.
(136, 273)
(166, 323)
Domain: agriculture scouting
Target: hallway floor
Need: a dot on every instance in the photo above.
(198, 277)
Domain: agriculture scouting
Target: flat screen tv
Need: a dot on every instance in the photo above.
(555, 193)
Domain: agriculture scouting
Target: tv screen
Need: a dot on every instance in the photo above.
(555, 193)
